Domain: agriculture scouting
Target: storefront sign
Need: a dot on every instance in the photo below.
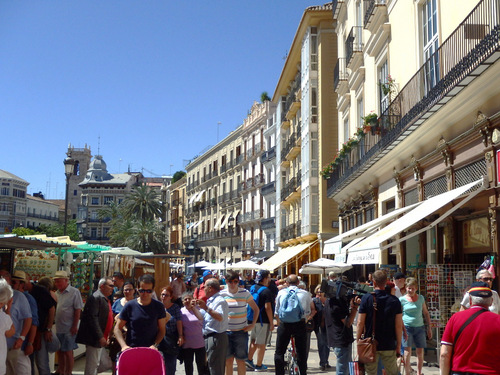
(364, 257)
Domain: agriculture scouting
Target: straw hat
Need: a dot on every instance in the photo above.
(19, 275)
(61, 275)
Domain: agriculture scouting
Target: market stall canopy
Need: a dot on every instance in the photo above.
(123, 251)
(368, 250)
(245, 265)
(12, 241)
(175, 265)
(284, 255)
(324, 266)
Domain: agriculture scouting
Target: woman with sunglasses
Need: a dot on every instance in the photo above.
(139, 316)
(174, 338)
(486, 277)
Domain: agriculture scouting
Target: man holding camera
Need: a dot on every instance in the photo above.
(340, 311)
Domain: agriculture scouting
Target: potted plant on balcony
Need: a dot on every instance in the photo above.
(388, 87)
(370, 122)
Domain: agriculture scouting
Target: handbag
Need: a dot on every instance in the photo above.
(367, 347)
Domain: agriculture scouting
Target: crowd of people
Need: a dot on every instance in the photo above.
(219, 325)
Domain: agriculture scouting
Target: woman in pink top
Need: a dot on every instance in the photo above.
(194, 343)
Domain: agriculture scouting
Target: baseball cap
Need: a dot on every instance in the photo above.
(480, 289)
(399, 275)
(207, 273)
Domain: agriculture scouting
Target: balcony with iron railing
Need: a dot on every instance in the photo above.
(293, 95)
(340, 73)
(268, 156)
(268, 223)
(289, 189)
(354, 43)
(462, 57)
(269, 188)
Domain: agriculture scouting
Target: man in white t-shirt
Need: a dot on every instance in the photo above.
(400, 282)
(486, 277)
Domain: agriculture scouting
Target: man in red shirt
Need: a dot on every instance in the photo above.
(199, 293)
(476, 350)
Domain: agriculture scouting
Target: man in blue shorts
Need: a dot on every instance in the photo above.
(68, 310)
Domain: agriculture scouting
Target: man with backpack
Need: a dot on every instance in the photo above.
(263, 297)
(293, 306)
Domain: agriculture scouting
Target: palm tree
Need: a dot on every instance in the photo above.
(142, 203)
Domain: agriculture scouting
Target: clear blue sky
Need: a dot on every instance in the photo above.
(151, 78)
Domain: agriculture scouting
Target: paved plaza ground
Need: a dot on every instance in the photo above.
(430, 364)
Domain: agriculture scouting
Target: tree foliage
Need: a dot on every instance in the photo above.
(53, 230)
(177, 176)
(135, 222)
(264, 97)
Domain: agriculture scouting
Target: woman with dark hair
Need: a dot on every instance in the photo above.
(129, 294)
(174, 337)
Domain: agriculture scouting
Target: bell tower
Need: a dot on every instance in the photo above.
(82, 157)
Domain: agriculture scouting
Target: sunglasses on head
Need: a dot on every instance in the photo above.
(487, 278)
(146, 291)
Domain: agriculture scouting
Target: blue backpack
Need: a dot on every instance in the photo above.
(255, 295)
(290, 310)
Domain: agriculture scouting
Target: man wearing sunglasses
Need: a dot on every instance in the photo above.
(486, 277)
(139, 316)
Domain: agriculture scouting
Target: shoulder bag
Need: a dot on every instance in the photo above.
(367, 347)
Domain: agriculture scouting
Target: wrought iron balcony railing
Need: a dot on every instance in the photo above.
(340, 73)
(354, 42)
(471, 45)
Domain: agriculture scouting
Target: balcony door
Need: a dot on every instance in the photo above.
(430, 44)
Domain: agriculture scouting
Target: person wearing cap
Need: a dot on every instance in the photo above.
(486, 277)
(96, 324)
(24, 361)
(68, 310)
(20, 314)
(399, 280)
(46, 313)
(265, 325)
(199, 292)
(475, 351)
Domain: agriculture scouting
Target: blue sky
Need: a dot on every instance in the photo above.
(151, 78)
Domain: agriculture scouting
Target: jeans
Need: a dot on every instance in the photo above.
(323, 349)
(285, 331)
(170, 363)
(344, 356)
(42, 358)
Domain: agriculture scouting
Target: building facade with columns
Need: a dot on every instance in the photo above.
(418, 103)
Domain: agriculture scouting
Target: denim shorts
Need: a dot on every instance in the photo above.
(237, 345)
(416, 337)
(68, 342)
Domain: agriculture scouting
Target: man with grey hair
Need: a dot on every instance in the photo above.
(96, 324)
(215, 324)
(486, 277)
(472, 350)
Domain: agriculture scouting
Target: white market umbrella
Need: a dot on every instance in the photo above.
(175, 265)
(324, 266)
(245, 265)
(200, 264)
(216, 266)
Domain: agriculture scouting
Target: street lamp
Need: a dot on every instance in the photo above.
(191, 248)
(231, 227)
(69, 165)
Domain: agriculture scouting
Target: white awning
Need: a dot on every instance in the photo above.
(199, 196)
(368, 250)
(196, 225)
(333, 245)
(284, 255)
(224, 223)
(218, 222)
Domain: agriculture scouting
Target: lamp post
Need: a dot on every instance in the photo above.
(69, 165)
(231, 228)
(191, 248)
